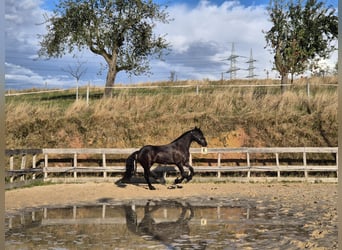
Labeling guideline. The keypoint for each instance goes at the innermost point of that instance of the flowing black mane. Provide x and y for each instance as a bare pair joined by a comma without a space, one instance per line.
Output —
181,136
186,133
177,152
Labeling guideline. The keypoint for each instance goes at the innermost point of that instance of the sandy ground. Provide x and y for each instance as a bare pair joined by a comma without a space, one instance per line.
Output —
316,204
61,194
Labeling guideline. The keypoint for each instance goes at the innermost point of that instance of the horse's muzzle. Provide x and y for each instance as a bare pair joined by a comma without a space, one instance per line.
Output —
204,143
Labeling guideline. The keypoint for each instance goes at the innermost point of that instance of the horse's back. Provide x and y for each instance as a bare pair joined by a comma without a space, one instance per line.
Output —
147,152
166,154
148,149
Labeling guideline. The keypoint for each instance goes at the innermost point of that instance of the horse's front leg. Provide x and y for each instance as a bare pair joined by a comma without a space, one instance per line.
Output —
147,174
192,172
183,175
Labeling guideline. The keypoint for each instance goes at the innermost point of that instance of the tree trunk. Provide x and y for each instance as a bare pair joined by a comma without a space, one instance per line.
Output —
111,75
283,83
292,76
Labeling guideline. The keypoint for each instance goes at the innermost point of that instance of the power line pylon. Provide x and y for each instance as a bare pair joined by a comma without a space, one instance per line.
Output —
251,66
233,59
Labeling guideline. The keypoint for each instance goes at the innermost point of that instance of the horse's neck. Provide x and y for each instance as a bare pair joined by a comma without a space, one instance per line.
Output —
184,140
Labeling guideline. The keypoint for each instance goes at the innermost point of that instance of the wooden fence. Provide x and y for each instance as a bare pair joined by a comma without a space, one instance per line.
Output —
239,164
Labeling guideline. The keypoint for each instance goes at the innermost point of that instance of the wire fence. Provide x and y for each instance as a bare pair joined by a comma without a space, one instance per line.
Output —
89,90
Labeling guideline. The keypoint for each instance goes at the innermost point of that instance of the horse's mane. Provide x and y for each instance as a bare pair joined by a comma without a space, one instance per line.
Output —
185,133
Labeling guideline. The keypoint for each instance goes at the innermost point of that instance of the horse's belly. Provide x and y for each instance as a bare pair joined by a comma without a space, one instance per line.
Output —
167,158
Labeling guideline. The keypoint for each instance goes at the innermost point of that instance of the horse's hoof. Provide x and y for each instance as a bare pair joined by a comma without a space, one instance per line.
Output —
152,188
175,186
177,181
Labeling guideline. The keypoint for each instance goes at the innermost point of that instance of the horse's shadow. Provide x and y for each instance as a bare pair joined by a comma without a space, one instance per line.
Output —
165,232
156,178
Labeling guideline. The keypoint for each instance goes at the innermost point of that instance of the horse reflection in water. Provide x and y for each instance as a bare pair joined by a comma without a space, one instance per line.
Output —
169,233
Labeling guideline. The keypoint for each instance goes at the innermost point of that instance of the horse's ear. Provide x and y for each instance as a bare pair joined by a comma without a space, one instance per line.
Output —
197,129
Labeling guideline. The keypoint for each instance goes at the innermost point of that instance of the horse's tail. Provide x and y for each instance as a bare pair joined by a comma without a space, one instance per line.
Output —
130,166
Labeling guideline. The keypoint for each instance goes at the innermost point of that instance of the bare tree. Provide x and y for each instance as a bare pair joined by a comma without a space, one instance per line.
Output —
76,72
173,76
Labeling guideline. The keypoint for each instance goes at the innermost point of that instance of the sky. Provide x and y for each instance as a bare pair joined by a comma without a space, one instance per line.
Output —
202,35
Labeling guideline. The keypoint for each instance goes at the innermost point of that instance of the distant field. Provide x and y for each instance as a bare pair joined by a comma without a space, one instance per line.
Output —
229,115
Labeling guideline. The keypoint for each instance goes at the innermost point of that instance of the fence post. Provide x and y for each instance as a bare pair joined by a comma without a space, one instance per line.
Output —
336,163
76,89
11,167
33,216
249,166
219,165
218,212
75,165
308,89
88,94
23,164
305,165
277,162
74,212
45,213
45,166
104,165
34,165
103,211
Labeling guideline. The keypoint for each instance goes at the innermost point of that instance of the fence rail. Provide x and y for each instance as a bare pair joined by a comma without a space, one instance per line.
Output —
196,88
77,164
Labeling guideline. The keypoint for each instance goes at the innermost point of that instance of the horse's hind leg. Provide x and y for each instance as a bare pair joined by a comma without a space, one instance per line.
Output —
147,174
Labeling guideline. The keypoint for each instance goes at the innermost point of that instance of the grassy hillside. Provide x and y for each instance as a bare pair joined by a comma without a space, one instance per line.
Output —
228,116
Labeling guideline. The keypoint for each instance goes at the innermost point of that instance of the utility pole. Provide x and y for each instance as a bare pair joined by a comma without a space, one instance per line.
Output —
251,65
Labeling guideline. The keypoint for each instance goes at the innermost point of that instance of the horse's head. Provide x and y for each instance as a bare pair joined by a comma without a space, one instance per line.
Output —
198,136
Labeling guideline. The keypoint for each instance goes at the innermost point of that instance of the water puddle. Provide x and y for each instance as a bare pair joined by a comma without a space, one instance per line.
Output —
169,224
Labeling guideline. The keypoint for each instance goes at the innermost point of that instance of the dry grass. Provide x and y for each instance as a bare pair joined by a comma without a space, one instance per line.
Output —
250,116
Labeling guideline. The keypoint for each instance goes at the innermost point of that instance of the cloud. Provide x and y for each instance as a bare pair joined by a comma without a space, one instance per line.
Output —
21,28
25,78
23,69
22,19
201,37
228,22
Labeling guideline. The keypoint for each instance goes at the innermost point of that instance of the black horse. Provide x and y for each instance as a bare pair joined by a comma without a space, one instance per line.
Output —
177,152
